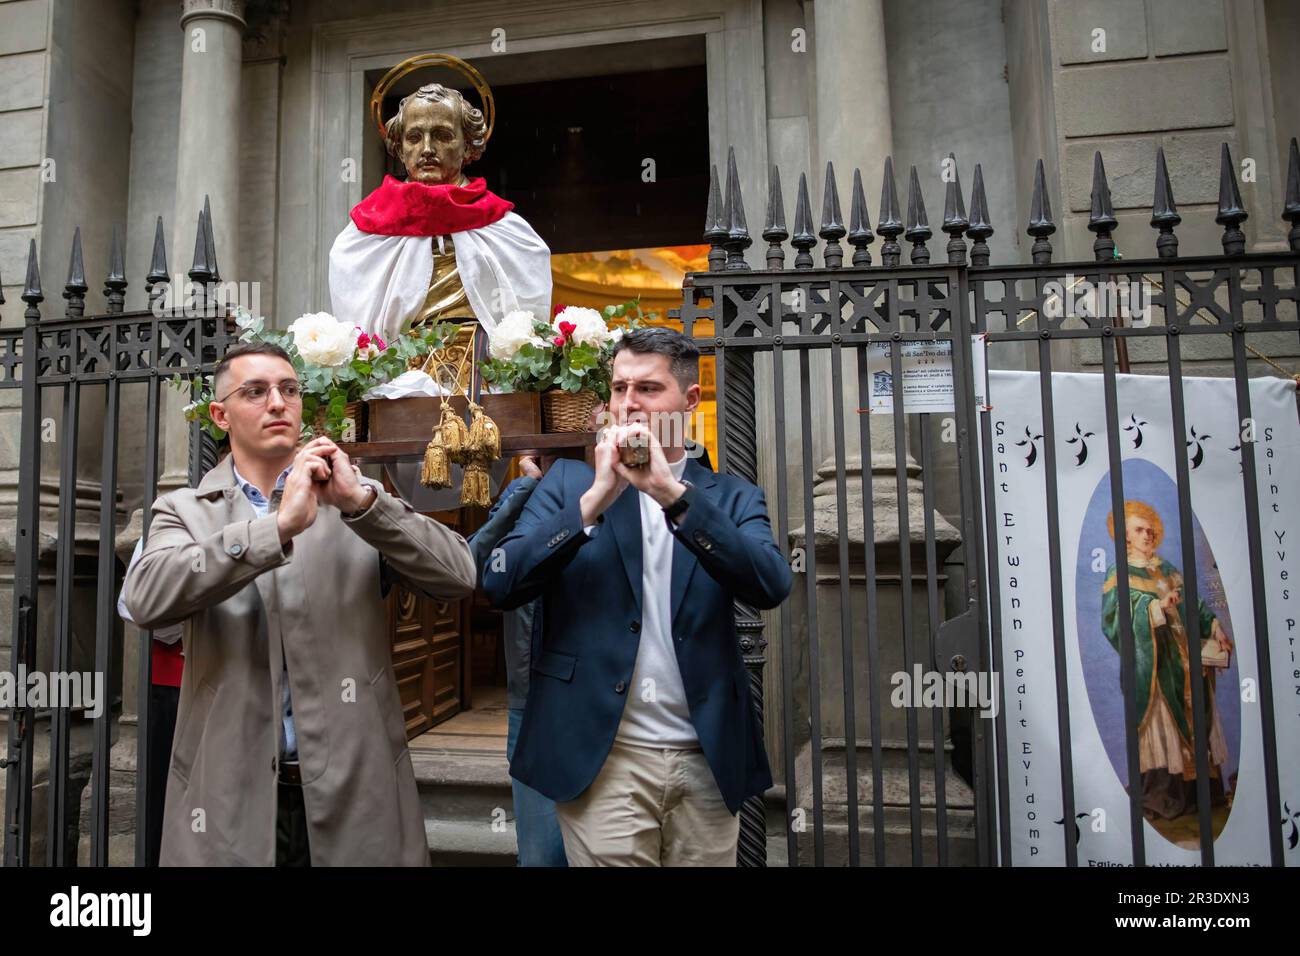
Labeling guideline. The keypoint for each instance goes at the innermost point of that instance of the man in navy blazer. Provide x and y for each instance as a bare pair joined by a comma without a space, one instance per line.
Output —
638,721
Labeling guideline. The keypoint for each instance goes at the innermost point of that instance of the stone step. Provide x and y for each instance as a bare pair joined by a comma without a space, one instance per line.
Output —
896,802
468,809
457,843
960,842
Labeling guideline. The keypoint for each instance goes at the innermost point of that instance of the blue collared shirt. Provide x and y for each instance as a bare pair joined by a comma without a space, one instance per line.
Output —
262,506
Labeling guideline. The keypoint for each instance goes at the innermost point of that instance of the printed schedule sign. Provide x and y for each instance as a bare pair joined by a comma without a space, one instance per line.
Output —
927,377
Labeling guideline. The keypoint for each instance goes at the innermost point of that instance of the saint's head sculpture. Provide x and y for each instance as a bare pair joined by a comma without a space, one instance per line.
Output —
436,132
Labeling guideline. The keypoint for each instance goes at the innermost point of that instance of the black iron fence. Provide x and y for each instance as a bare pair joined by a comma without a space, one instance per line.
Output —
886,517
117,355
892,575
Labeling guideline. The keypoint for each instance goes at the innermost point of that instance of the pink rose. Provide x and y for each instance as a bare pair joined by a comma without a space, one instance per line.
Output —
369,346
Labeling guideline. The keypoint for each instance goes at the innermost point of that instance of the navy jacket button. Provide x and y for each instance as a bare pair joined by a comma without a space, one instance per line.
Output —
620,687
635,627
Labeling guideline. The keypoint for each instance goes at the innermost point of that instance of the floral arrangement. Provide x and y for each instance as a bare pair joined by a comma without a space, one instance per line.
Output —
572,352
336,364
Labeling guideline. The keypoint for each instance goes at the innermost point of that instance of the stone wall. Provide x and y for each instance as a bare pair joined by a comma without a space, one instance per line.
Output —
65,123
24,40
1132,75
1128,76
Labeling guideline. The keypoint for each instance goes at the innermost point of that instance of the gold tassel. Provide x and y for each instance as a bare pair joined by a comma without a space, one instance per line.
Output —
475,486
436,472
455,436
484,436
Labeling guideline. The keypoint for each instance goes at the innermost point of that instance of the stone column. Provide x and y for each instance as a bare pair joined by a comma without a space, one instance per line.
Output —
207,160
207,166
853,114
853,130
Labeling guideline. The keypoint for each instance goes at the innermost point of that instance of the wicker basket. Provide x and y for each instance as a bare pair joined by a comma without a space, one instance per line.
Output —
353,410
568,411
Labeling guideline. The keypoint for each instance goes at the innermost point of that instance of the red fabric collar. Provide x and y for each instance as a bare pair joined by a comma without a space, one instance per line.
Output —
416,209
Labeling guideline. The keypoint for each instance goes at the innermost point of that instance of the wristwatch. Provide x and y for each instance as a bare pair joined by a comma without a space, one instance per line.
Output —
674,510
373,494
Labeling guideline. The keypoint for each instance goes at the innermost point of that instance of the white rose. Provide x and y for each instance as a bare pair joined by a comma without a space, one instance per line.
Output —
590,327
511,333
323,340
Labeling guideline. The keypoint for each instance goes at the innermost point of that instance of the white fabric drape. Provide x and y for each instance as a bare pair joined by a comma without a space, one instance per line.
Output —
379,283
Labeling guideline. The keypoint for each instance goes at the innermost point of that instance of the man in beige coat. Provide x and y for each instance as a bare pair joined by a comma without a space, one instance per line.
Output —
290,743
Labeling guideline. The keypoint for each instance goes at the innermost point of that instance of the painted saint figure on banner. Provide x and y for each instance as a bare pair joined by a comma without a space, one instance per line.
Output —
1163,678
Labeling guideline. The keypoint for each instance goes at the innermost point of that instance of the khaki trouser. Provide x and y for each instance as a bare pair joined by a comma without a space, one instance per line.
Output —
650,807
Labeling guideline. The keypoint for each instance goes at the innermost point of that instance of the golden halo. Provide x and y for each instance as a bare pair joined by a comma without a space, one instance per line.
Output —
413,63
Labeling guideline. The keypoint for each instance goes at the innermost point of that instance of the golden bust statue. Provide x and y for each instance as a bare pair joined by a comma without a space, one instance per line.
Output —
437,245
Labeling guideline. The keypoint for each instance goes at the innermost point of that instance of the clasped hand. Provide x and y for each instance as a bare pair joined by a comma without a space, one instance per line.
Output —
654,478
322,473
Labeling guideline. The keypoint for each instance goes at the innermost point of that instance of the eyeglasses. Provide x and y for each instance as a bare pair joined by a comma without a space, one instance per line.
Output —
256,393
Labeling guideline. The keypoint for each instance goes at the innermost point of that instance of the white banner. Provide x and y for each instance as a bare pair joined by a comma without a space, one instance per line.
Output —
1225,622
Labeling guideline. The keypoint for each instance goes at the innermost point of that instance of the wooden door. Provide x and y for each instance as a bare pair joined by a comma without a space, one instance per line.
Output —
429,639
427,649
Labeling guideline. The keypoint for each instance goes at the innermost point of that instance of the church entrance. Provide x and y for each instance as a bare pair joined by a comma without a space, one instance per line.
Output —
606,156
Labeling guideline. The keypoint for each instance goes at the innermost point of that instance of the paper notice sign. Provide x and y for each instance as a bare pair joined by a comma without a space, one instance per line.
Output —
927,379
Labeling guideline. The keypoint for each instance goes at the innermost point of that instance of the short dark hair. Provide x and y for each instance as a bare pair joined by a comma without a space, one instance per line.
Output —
682,352
245,348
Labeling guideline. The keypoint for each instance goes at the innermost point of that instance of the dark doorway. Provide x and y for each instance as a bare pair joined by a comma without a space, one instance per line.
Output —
574,154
